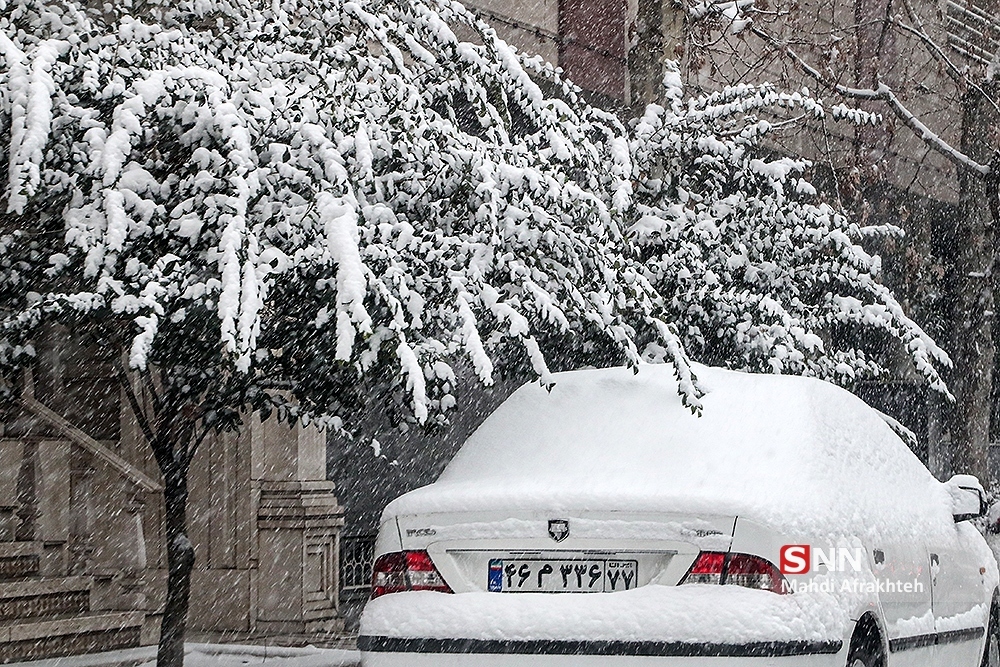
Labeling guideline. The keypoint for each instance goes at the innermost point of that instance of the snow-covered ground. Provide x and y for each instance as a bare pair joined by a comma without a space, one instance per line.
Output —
211,655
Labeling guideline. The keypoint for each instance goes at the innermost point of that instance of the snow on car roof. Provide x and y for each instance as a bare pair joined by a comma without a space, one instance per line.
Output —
786,450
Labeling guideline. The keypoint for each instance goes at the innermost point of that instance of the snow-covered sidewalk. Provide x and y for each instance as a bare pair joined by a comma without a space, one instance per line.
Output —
211,655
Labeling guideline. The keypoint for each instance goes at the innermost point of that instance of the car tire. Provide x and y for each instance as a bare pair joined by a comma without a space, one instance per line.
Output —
991,652
866,648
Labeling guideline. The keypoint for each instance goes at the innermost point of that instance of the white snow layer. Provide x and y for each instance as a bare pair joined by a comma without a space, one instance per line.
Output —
210,655
272,656
340,218
697,613
796,453
31,116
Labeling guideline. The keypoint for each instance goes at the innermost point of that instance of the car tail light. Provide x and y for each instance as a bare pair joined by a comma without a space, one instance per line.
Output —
406,571
716,567
753,572
708,568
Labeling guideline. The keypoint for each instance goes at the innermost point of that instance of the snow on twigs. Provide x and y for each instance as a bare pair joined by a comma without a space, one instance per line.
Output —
341,223
30,90
352,196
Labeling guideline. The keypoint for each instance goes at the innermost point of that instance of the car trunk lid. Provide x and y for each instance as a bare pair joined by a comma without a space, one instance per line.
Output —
568,551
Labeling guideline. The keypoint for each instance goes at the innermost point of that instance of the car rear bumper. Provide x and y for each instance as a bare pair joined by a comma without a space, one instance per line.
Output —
673,623
381,651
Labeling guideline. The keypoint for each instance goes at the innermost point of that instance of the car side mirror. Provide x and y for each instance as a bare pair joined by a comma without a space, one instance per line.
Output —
968,500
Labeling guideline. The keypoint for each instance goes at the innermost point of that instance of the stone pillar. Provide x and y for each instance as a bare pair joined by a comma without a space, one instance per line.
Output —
26,514
53,505
81,512
298,530
118,560
10,456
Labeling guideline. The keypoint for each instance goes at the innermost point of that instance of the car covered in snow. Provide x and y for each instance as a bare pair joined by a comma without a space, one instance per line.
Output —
600,521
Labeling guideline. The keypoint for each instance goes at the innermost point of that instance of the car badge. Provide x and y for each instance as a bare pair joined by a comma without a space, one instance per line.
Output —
558,529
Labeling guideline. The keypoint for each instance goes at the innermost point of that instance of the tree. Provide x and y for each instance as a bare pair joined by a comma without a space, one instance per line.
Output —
757,274
935,82
283,207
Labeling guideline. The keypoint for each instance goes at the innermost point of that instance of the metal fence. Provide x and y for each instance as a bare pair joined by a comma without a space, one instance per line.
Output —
357,555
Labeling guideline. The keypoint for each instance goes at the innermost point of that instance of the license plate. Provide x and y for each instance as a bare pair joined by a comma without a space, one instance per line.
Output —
521,575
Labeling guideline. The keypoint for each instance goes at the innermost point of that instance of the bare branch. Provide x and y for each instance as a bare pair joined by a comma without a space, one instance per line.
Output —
957,75
921,33
133,401
884,33
925,134
919,166
189,455
884,94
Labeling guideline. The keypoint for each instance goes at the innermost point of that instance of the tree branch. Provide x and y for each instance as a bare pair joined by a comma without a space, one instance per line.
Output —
932,46
884,94
147,378
924,133
884,33
189,456
133,402
957,75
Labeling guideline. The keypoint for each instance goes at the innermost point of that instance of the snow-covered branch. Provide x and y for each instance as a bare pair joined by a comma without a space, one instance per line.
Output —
882,93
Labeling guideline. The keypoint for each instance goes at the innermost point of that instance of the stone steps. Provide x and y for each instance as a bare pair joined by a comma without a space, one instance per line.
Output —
48,617
40,598
69,635
18,560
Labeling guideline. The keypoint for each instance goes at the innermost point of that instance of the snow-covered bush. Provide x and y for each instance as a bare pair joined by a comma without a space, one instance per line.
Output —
290,196
340,187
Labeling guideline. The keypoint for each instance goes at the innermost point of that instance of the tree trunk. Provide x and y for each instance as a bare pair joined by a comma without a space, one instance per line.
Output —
645,57
872,142
180,561
972,346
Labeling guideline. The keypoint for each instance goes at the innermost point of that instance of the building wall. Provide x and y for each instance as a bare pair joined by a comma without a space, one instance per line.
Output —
264,520
586,38
592,45
530,25
265,523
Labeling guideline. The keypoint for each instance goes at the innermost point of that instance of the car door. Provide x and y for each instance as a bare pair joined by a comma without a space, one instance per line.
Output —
958,596
903,582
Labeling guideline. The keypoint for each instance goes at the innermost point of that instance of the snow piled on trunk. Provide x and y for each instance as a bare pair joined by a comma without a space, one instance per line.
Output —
796,453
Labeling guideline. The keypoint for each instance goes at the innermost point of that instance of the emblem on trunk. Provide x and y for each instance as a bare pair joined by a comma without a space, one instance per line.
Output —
558,529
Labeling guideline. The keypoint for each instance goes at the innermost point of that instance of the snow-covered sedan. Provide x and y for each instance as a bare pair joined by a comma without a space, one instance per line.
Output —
602,523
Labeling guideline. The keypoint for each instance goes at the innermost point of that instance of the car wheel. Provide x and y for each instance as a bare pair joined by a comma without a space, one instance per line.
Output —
866,645
991,654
